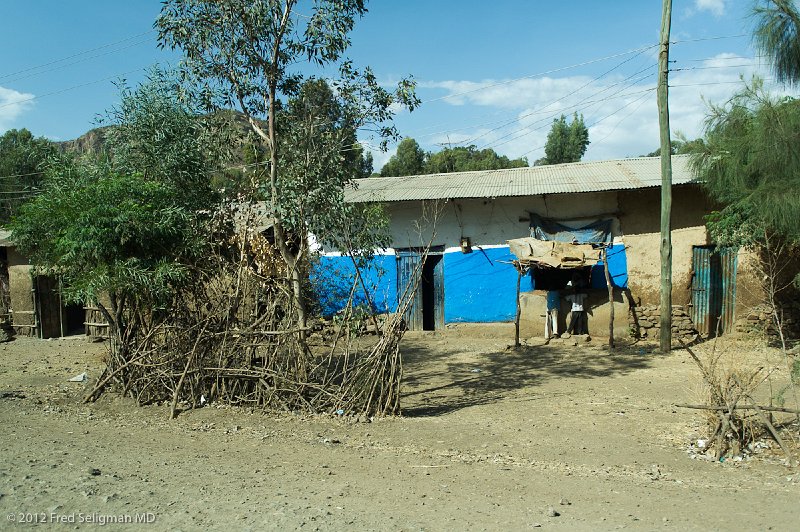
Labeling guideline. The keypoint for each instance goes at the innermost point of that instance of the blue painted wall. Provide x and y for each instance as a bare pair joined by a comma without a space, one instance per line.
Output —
617,269
477,288
332,278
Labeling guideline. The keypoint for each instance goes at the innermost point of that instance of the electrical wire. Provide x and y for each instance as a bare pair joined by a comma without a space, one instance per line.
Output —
40,96
552,71
39,73
564,97
4,76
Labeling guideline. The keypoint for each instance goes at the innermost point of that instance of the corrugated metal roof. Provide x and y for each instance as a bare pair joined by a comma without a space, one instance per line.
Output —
594,176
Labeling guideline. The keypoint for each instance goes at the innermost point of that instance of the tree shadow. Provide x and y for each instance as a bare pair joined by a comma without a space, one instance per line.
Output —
440,380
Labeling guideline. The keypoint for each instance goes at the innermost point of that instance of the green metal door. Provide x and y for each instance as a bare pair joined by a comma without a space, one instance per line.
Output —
713,289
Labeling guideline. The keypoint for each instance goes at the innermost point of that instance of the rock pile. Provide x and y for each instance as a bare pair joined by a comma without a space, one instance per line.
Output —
648,318
6,330
759,320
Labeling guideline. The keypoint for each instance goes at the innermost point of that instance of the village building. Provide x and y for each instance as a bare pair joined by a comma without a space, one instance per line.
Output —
32,304
468,218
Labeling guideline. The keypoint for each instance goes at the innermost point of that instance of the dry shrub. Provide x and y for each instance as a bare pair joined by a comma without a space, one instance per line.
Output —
232,337
727,383
737,393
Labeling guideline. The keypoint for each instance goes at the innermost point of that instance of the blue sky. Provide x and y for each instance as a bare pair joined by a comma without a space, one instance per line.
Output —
492,74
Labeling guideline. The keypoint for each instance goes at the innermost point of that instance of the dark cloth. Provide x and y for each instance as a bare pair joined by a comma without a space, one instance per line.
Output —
547,229
577,324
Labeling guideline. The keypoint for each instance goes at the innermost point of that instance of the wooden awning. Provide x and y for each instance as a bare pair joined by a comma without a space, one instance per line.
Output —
531,251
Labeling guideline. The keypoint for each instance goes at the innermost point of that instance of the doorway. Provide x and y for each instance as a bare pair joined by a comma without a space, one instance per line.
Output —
426,278
713,289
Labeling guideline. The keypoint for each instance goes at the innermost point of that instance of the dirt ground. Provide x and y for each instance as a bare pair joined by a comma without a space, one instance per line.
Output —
557,437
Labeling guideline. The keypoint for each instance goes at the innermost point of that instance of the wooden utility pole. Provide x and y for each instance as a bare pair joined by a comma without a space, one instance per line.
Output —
666,180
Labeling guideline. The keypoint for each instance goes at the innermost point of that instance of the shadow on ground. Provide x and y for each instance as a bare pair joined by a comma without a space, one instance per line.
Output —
442,378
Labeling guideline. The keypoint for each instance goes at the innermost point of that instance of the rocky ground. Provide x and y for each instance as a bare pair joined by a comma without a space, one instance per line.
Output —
555,437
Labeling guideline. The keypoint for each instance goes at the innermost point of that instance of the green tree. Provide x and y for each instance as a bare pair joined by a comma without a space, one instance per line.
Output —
409,160
128,227
249,54
159,133
751,165
469,158
23,160
751,160
566,143
777,36
680,145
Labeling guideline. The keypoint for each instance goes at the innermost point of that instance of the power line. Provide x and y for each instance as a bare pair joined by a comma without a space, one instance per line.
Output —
17,102
59,67
505,121
716,38
506,82
717,58
713,83
545,121
575,91
683,69
3,76
641,98
582,104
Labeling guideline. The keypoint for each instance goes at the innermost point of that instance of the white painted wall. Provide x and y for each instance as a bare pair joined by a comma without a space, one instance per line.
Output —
490,221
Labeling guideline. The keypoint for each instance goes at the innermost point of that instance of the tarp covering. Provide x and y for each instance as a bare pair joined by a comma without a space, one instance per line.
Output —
553,253
598,232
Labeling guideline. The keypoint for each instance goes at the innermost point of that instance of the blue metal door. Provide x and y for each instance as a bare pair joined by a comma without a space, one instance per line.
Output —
421,281
713,289
409,270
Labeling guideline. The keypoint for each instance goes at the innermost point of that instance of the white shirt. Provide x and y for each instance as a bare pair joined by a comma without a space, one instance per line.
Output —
577,301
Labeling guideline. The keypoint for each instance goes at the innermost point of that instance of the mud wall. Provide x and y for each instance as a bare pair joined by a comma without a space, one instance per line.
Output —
597,307
641,225
21,294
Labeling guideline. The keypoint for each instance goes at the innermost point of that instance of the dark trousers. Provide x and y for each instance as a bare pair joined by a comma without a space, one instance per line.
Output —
576,323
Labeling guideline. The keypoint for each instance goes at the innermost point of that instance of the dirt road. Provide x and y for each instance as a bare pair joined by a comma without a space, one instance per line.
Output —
555,437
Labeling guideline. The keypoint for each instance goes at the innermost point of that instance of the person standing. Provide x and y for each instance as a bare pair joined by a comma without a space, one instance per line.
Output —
551,317
576,322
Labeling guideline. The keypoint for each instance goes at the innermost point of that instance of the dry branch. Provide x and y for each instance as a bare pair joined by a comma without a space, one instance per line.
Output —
232,336
740,407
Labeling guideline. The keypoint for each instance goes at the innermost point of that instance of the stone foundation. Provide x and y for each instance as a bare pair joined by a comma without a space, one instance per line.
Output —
759,320
645,322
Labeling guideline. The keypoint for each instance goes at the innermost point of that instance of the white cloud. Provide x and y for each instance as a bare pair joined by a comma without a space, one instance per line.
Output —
12,104
513,117
379,158
716,7
621,113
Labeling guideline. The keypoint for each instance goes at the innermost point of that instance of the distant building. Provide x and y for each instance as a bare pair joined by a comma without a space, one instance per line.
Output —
32,303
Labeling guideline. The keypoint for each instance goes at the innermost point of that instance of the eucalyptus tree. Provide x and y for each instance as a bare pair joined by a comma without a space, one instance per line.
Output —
251,55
